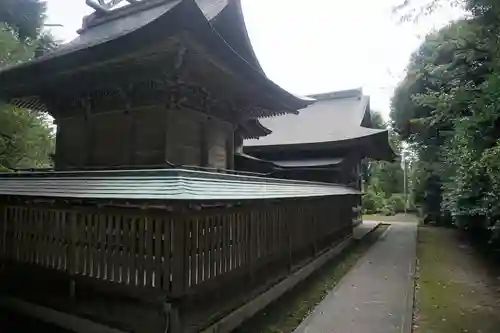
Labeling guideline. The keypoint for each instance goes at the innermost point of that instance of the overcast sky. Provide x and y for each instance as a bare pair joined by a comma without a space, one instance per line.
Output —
316,46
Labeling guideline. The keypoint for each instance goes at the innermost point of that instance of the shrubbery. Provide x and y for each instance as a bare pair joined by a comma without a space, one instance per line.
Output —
378,203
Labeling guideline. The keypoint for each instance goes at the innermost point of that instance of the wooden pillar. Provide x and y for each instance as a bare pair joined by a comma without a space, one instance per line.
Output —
230,149
204,143
167,144
88,134
129,146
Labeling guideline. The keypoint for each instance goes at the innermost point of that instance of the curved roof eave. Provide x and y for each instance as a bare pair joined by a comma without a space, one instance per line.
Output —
141,31
96,45
366,139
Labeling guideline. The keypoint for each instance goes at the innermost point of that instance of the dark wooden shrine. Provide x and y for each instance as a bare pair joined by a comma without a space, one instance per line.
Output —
327,141
124,232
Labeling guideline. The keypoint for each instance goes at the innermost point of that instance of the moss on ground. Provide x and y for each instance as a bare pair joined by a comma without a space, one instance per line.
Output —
454,292
284,315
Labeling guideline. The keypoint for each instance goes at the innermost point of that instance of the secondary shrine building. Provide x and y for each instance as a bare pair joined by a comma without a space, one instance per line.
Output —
326,141
144,224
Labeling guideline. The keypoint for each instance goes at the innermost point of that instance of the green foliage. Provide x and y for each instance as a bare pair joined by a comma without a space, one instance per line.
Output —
448,109
397,202
372,202
26,137
383,180
26,16
12,51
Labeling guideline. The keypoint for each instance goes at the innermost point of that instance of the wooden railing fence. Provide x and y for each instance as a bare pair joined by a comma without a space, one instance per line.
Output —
175,253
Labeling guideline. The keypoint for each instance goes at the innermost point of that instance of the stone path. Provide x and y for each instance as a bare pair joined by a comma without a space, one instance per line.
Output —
376,296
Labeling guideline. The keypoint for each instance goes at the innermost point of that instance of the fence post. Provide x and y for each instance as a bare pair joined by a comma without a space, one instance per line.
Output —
289,230
3,235
72,263
7,235
179,263
252,245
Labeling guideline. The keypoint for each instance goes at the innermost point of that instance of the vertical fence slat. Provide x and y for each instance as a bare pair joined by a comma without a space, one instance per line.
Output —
234,243
95,242
179,257
141,226
166,267
88,246
3,233
148,240
158,231
125,255
110,246
206,249
201,249
225,243
101,219
121,258
217,246
133,251
119,246
194,247
188,224
210,241
220,239
58,239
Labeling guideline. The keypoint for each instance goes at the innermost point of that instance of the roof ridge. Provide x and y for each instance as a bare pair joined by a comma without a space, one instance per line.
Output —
348,93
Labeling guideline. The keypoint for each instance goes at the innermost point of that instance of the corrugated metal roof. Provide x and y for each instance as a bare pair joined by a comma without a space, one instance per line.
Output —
171,184
333,117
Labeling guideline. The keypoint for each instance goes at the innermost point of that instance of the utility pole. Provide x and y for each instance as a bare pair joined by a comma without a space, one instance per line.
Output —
405,182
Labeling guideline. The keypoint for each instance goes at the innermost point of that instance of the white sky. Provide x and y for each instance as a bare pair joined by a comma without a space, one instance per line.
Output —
315,46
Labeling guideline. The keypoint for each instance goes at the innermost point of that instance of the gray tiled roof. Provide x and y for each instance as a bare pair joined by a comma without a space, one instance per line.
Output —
333,117
169,184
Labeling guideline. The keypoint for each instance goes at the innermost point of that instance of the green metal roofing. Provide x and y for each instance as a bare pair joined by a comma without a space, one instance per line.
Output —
169,184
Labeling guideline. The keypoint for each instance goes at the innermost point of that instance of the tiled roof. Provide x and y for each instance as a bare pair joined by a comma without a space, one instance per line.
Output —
333,117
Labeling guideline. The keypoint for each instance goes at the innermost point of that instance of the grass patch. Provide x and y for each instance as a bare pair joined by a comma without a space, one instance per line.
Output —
395,218
284,315
454,293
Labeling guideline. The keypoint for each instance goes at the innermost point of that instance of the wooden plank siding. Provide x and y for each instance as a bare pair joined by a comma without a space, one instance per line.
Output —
176,253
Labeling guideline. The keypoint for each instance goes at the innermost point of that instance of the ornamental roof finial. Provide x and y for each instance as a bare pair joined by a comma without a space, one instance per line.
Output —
104,6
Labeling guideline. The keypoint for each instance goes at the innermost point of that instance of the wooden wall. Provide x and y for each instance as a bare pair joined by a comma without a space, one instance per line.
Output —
145,137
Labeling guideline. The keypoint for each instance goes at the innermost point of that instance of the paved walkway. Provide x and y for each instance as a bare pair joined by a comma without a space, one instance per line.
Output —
375,296
361,230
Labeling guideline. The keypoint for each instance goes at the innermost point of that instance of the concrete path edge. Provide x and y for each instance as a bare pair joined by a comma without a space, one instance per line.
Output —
407,326
238,316
340,281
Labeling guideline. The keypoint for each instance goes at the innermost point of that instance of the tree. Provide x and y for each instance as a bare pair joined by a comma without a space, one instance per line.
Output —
384,180
26,137
448,108
25,16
